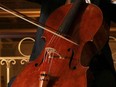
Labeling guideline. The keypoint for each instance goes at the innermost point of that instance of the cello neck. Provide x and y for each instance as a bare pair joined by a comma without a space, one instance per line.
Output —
70,16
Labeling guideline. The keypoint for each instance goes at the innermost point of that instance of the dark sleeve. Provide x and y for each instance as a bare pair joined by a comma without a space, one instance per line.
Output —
11,81
113,12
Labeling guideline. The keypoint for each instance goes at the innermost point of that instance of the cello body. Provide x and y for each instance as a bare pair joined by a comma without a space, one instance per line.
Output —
60,63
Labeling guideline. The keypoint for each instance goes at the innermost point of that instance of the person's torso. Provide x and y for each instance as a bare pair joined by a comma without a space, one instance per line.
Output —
48,6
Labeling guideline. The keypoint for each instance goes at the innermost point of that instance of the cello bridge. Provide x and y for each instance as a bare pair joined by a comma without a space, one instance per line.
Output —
52,53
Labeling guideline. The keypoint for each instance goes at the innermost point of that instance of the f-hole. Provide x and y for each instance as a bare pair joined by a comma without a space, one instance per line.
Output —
71,66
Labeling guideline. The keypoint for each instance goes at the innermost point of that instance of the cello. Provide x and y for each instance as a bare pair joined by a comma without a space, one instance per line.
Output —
61,62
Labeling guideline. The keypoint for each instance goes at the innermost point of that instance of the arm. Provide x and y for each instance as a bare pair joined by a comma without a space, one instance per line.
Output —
107,8
113,12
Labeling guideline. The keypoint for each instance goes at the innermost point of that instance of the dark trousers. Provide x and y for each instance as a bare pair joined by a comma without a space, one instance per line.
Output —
101,72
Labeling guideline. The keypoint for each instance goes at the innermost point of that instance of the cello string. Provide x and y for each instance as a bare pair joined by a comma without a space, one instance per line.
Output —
88,1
